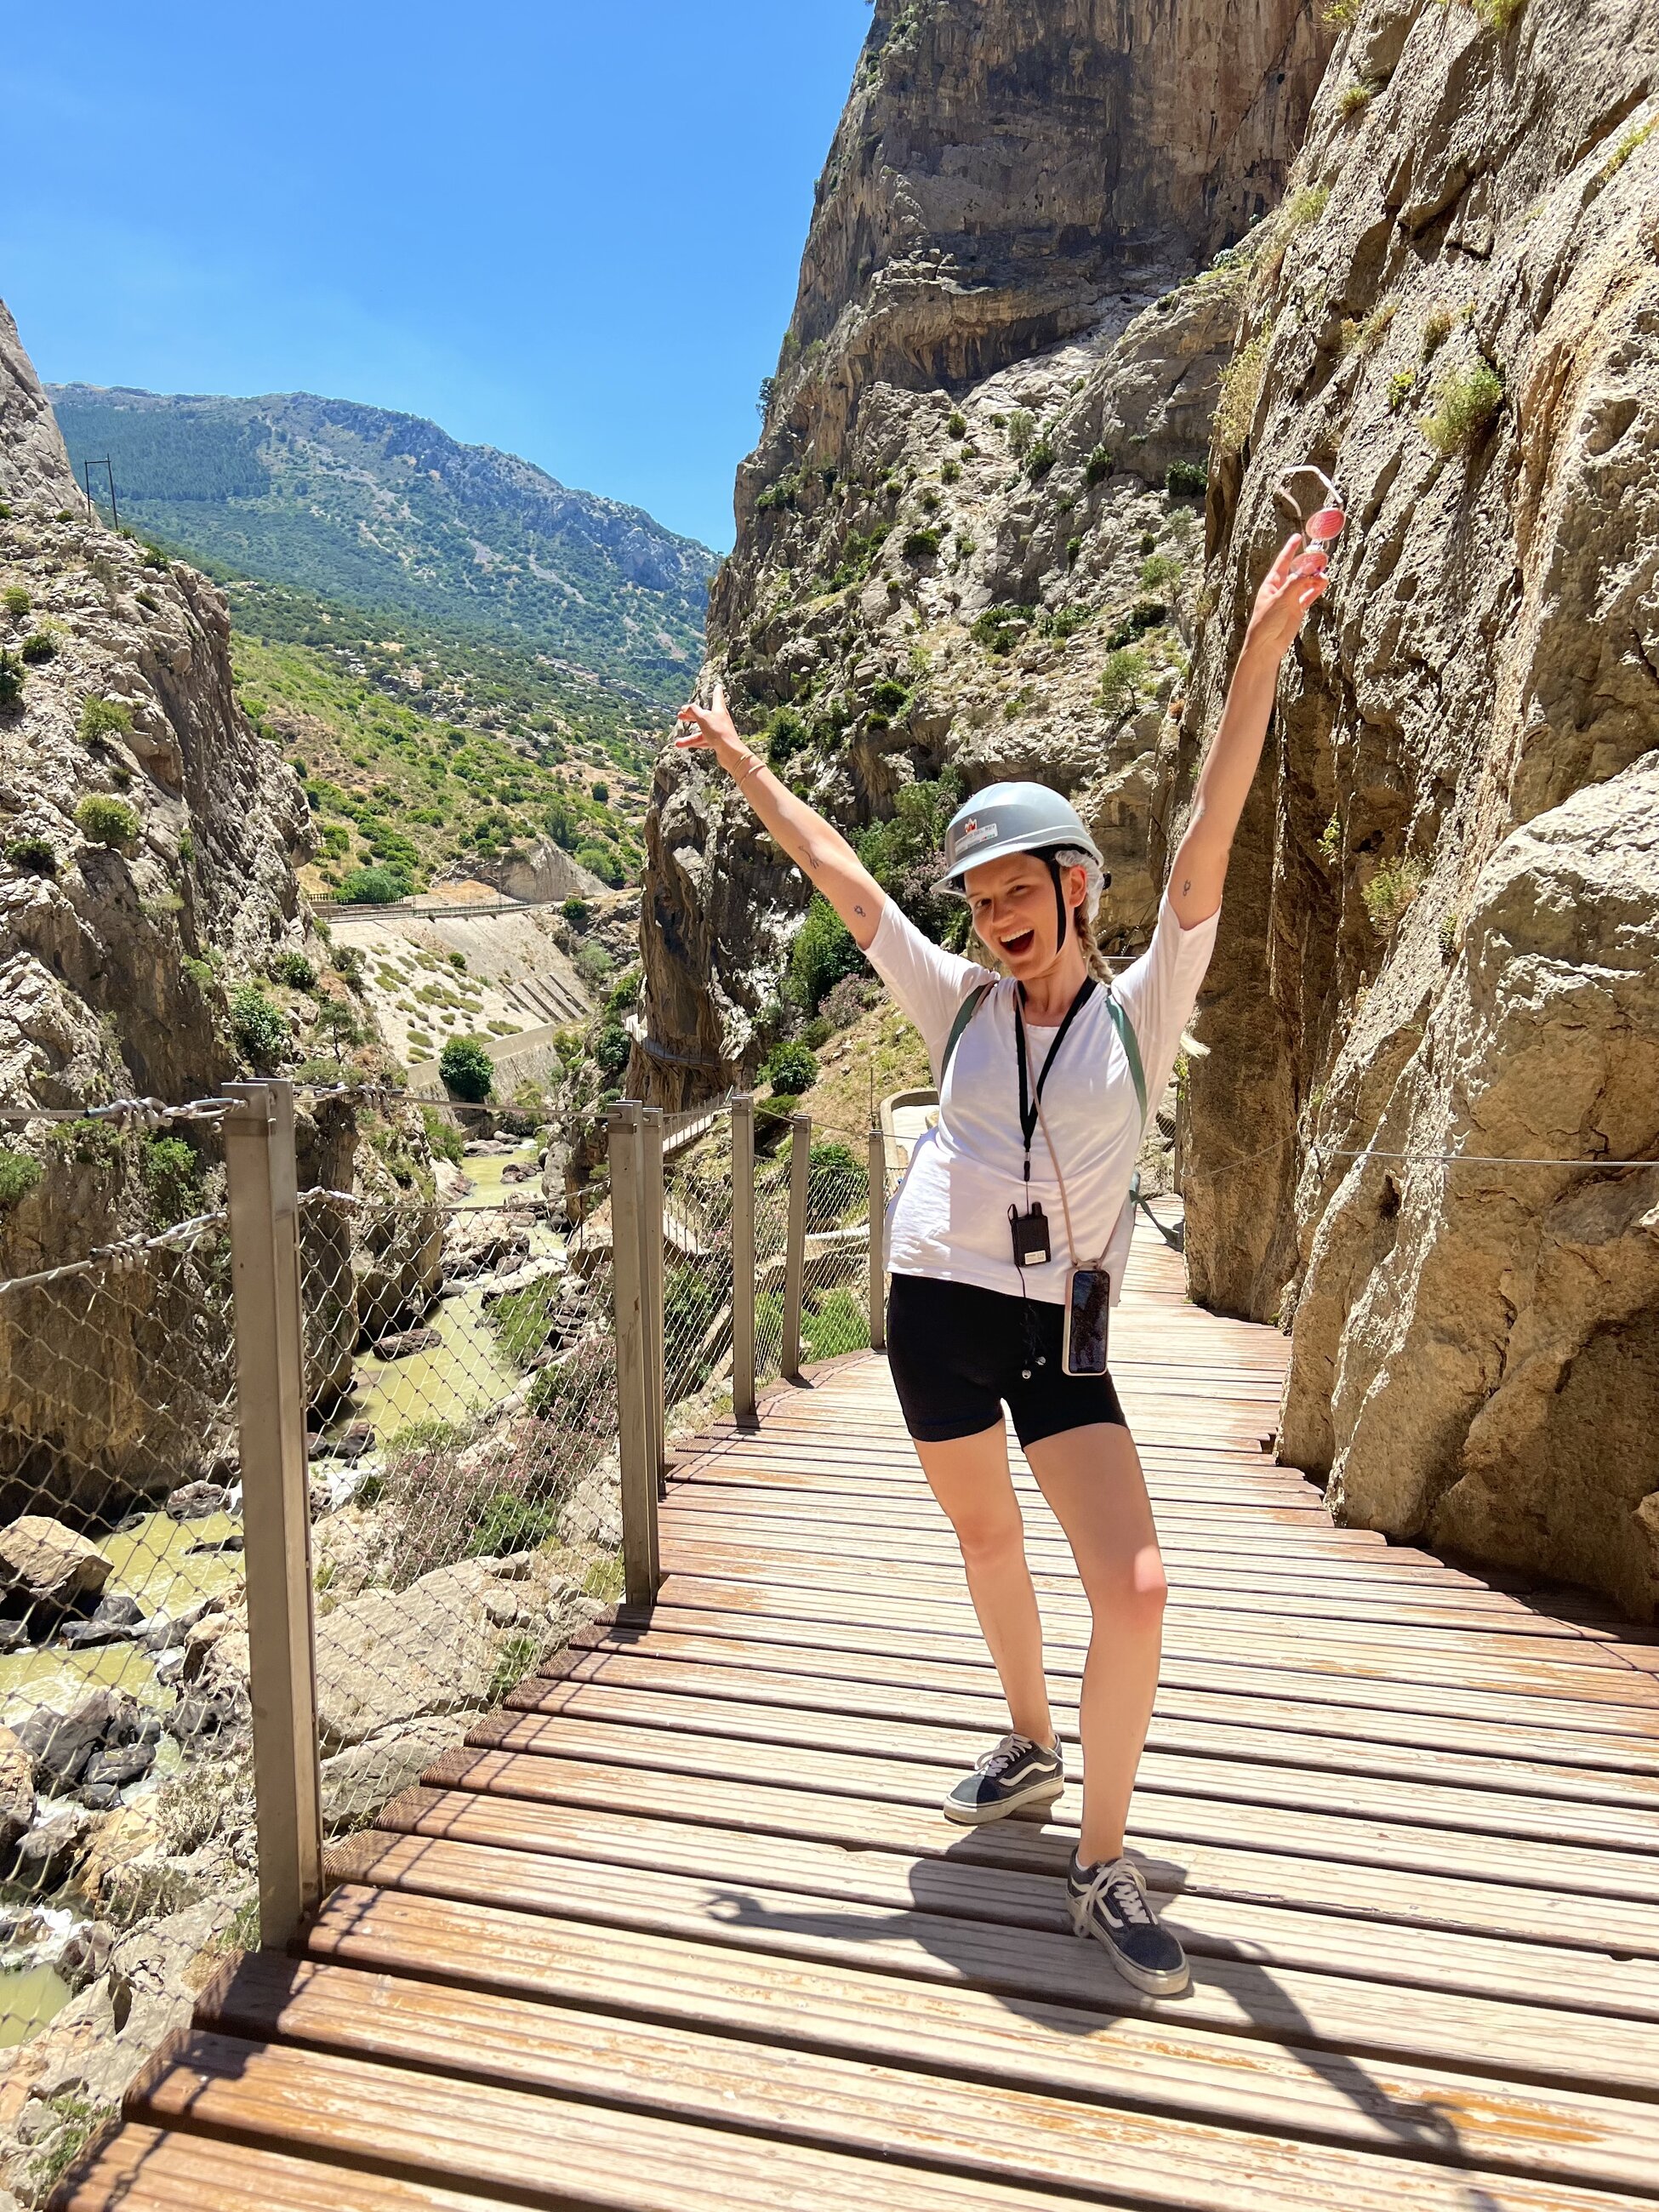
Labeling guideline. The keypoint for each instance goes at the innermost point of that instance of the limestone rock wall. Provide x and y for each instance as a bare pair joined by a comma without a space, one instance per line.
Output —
1006,334
1439,933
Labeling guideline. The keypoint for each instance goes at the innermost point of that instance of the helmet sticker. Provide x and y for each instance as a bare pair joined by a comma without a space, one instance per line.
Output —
974,832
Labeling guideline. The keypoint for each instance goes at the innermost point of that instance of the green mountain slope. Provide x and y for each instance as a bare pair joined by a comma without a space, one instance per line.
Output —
388,515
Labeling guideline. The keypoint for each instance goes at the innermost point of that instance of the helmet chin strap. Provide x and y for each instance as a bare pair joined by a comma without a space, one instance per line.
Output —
1060,905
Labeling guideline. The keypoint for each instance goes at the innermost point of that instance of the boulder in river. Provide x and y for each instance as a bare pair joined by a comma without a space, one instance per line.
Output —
16,1789
194,1501
49,1853
117,1618
48,1564
63,1744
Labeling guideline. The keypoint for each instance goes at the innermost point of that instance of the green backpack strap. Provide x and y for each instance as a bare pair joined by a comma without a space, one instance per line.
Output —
1127,1038
966,1013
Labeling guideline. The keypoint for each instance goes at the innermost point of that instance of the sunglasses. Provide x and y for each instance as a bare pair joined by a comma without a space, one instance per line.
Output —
1320,524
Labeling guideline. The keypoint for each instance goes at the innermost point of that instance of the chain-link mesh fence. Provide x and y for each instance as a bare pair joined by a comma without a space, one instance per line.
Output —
771,1247
696,1237
124,1750
835,1277
462,1382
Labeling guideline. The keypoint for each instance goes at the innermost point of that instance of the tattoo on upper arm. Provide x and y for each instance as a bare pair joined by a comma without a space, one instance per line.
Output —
1186,887
857,910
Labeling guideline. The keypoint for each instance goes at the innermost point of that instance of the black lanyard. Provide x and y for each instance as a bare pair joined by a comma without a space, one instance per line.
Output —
1028,1105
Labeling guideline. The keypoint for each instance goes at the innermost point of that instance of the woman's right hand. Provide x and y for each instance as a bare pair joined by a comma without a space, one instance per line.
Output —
713,729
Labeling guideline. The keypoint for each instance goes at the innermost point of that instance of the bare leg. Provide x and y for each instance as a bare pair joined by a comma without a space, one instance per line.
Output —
1091,1477
970,1477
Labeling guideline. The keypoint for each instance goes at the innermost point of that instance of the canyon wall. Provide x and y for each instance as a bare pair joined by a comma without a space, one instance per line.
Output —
1442,933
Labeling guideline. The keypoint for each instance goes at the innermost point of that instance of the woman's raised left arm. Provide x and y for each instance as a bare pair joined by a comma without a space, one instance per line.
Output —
1199,871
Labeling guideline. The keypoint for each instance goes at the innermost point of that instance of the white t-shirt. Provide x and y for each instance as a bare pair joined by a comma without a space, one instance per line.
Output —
950,1219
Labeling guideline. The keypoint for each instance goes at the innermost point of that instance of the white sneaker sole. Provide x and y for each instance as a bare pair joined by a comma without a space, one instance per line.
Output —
1147,1980
1046,1792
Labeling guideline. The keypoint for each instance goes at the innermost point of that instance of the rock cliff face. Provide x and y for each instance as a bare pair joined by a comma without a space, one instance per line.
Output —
964,551
960,510
1441,934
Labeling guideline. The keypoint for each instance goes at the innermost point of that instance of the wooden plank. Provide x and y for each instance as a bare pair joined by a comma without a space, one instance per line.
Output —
866,2106
1580,1672
1224,1865
595,1712
542,2150
890,1638
1602,1761
1345,1833
1163,2064
1300,1742
150,2169
1290,2006
942,1881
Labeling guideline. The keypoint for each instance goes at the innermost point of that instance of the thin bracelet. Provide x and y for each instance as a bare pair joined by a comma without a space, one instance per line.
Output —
755,764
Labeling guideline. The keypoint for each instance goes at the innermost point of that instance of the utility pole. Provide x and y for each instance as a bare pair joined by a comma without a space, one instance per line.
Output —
87,467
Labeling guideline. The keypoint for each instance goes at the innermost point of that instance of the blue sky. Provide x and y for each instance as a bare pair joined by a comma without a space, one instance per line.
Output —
571,231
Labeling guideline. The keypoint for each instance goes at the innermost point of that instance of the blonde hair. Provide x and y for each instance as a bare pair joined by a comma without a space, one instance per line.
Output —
1084,922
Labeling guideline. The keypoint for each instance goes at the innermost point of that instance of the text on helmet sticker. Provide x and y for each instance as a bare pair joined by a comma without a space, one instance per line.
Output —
974,832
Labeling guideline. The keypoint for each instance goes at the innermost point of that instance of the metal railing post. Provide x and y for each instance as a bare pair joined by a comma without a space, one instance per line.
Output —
743,1256
794,1252
639,1481
651,1262
262,1200
877,1238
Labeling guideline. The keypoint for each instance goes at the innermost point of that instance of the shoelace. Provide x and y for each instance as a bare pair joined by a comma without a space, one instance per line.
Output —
997,1762
1120,1890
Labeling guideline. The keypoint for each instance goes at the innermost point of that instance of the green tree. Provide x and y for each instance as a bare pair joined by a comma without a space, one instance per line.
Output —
822,953
259,1029
467,1069
790,1068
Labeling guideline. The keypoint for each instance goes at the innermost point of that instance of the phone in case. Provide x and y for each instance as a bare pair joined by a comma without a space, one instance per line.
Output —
1088,1305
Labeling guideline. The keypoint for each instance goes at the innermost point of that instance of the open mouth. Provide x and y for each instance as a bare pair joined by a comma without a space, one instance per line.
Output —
1020,942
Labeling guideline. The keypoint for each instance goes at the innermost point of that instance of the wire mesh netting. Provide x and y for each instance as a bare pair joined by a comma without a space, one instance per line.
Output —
835,1278
125,1747
696,1237
461,1372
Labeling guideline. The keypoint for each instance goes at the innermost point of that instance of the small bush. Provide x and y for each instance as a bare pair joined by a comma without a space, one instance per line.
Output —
957,423
39,645
505,1523
105,717
1354,99
259,1029
11,682
1145,615
1341,15
823,953
790,1068
1632,140
35,854
1022,432
443,1139
373,887
818,1031
1000,630
19,1174
601,792
1438,329
1391,890
626,993
154,557
1465,399
832,1323
593,962
1241,388
347,961
577,912
16,601
1401,385
920,546
1497,14
836,1180
292,968
786,735
1040,459
467,1069
1098,466
610,1050
1187,479
1157,570
1447,934
1121,678
173,1179
1330,841
950,472
1074,551
890,697
600,860
103,820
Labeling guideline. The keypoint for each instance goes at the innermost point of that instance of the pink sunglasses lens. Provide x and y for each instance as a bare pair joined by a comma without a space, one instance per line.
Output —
1326,524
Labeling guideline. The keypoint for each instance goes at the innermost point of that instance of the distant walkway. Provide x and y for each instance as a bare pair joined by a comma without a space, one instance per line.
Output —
682,1930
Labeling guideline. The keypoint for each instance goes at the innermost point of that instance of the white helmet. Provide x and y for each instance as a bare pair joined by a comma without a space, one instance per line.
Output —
1021,818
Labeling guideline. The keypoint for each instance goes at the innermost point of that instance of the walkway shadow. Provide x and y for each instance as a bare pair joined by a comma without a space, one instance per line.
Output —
1050,1978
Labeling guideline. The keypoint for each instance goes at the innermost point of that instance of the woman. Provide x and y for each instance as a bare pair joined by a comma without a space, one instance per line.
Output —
1028,1176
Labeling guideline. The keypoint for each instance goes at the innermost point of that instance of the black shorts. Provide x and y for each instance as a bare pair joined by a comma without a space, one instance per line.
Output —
956,1353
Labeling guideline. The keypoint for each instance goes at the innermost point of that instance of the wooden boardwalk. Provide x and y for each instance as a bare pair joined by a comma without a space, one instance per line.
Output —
681,1930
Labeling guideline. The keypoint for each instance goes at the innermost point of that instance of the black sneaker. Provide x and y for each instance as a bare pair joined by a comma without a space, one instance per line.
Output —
1108,1900
1018,1773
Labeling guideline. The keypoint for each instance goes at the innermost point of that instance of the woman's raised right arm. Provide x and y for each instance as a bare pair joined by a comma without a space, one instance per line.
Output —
822,852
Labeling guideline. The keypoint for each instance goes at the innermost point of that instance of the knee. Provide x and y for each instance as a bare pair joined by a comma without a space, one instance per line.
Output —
1132,1591
988,1539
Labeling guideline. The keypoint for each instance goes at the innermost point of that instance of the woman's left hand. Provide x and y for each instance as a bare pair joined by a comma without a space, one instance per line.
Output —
1297,579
